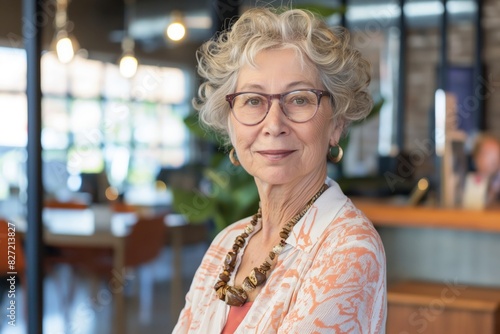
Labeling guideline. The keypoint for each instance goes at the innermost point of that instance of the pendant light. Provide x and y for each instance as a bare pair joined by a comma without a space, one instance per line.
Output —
176,29
128,61
64,43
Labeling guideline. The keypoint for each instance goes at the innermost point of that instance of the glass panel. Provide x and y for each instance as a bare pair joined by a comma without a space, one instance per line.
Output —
13,69
144,167
13,182
55,123
146,126
14,120
55,172
86,78
85,159
173,130
173,86
85,121
159,84
115,85
54,75
117,165
117,127
146,84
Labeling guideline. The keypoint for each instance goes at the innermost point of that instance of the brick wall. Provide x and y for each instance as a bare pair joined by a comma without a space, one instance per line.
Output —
491,25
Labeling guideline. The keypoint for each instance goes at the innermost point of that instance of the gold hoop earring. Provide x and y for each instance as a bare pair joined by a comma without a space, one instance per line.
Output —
335,158
233,158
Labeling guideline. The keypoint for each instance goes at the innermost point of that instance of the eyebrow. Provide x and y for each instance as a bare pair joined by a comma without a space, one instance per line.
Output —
290,86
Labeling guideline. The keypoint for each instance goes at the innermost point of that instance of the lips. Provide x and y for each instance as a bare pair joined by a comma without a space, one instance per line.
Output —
275,155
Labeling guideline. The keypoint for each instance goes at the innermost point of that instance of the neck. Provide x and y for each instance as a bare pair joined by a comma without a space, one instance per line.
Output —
279,203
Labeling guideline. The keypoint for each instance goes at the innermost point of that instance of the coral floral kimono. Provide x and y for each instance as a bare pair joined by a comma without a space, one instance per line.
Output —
330,277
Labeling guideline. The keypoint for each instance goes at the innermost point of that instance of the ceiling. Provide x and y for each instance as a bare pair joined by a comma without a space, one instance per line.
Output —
99,25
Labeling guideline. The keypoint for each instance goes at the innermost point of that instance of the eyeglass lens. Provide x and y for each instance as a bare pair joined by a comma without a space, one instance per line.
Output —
299,106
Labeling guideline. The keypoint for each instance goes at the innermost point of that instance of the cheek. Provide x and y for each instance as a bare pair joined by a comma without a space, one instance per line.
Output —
324,130
239,135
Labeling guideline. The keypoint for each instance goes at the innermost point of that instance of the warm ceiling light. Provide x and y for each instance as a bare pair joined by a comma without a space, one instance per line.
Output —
128,61
64,44
176,31
128,65
64,48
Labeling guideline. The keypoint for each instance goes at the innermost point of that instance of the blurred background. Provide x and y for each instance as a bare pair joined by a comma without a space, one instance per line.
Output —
120,147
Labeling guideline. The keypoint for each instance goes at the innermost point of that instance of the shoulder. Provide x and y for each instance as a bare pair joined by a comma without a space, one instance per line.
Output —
229,233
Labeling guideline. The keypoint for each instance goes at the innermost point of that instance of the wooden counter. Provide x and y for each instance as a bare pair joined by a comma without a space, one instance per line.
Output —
436,308
391,215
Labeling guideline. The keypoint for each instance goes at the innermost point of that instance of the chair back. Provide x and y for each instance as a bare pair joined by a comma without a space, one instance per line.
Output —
146,239
11,249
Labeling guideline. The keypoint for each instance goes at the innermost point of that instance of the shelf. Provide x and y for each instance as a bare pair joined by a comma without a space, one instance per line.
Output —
391,215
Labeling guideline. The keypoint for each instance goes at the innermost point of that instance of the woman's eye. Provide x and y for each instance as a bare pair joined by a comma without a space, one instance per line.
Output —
299,100
254,102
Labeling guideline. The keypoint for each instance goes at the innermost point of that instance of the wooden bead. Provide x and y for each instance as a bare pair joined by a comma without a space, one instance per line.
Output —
277,249
219,285
257,277
272,255
230,259
240,242
249,228
235,296
221,292
284,235
247,285
265,266
224,277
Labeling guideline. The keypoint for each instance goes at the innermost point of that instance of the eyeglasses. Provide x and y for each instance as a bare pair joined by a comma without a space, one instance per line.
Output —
299,106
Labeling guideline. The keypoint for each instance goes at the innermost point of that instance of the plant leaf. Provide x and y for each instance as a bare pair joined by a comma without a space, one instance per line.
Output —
194,205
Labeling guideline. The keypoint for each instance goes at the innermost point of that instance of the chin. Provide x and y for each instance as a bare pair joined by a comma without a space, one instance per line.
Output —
277,177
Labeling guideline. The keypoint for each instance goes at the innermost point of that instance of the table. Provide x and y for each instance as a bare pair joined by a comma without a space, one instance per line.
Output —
103,236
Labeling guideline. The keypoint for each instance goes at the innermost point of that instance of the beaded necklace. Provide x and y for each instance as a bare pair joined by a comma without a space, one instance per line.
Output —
235,295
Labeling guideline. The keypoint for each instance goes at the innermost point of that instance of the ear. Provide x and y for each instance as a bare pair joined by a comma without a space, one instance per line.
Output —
336,132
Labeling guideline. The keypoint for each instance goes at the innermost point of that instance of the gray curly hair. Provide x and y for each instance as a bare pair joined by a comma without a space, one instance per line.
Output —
342,69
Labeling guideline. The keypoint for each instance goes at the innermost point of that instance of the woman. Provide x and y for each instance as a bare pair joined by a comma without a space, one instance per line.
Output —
282,88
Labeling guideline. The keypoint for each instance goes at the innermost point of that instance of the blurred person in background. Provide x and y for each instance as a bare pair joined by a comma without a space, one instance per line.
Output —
486,158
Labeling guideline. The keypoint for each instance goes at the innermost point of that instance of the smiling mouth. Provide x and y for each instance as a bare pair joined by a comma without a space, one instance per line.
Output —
275,154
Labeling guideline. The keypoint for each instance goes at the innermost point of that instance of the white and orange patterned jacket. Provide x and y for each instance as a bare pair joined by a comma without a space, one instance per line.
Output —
330,278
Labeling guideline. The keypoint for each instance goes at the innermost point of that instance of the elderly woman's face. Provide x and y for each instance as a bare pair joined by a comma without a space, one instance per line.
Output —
277,150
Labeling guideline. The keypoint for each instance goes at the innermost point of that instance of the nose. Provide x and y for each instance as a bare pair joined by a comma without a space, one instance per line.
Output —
276,122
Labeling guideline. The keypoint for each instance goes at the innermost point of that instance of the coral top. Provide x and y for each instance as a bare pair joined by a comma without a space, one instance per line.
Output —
235,317
329,278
